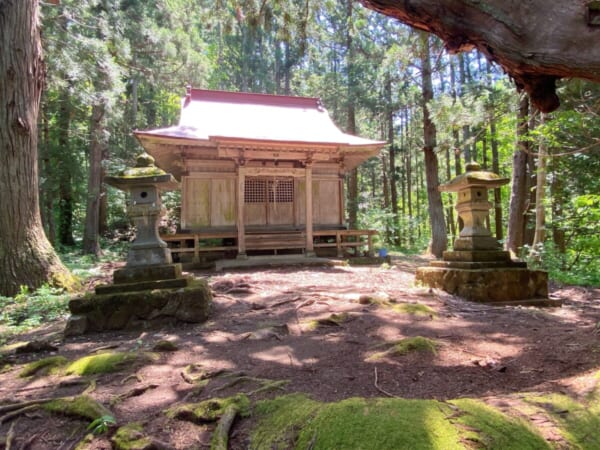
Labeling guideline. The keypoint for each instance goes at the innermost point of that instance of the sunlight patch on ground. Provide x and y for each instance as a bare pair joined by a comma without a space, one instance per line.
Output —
282,354
219,337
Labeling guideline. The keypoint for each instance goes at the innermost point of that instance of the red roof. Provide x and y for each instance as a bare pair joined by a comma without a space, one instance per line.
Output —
224,116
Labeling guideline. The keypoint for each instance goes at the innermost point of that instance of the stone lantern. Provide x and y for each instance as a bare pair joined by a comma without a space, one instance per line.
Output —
149,257
477,268
150,290
473,208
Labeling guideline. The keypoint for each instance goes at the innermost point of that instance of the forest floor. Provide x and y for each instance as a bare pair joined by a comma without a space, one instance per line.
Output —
319,331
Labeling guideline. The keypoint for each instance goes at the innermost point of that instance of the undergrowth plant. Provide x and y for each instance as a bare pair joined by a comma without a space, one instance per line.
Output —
31,309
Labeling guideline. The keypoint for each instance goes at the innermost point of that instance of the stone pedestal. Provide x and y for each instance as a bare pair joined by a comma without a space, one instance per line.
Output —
477,268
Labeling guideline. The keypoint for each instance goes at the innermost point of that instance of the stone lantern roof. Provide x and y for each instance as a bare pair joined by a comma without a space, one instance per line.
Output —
144,172
474,177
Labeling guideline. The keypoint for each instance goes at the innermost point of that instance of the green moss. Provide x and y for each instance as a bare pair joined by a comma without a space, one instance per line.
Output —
416,309
101,363
131,437
407,345
491,429
298,422
66,280
85,443
331,320
209,410
281,419
43,366
80,406
579,422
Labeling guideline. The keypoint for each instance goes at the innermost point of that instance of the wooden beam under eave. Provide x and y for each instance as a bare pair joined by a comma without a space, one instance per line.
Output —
274,172
273,154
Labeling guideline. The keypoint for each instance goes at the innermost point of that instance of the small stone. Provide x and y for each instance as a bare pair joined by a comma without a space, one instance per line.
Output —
365,300
165,346
76,325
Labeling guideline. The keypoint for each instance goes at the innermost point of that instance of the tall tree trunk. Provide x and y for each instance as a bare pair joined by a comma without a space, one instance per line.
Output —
26,256
103,212
495,162
65,189
540,209
91,238
409,178
351,116
46,194
518,194
531,180
464,79
497,191
558,199
439,238
392,169
450,208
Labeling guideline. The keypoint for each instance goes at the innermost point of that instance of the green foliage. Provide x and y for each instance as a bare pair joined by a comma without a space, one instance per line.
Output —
579,262
30,309
102,424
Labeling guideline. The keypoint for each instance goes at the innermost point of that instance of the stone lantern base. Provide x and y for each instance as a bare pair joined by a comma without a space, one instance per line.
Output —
499,282
113,307
141,297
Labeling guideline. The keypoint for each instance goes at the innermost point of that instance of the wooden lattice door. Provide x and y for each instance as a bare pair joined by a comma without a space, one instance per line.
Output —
269,201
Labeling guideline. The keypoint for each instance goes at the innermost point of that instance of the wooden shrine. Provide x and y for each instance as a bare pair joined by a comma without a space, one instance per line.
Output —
259,173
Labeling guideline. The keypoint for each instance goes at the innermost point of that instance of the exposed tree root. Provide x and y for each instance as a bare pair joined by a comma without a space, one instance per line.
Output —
135,392
10,436
8,416
19,405
376,384
194,373
220,436
265,384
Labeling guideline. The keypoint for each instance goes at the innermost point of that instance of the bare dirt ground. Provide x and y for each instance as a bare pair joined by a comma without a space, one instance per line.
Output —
276,324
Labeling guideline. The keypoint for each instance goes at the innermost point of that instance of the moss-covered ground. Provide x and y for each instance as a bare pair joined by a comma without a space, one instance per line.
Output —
102,363
299,422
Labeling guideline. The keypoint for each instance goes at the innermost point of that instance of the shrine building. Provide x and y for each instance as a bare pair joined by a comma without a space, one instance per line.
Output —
259,173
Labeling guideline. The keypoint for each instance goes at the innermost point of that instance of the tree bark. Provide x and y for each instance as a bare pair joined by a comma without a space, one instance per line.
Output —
439,238
91,234
26,256
351,117
518,194
392,156
536,42
65,190
557,193
540,190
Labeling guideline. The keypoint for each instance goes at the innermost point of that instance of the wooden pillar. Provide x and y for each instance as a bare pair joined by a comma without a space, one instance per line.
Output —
241,230
310,251
196,249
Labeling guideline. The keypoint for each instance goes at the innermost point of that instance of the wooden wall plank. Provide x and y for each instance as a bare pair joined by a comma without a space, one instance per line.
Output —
222,202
